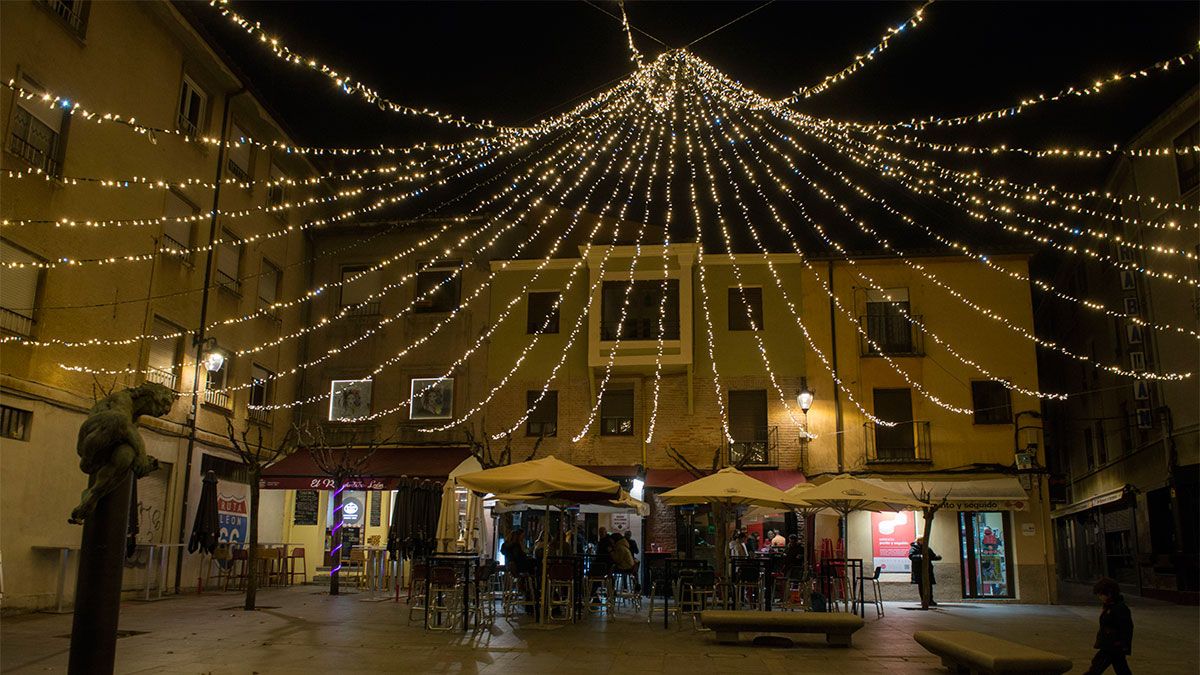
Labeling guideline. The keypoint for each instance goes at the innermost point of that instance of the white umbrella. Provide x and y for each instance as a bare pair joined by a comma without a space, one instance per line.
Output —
447,527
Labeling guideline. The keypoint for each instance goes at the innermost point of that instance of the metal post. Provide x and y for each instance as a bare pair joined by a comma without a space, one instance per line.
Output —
198,339
837,399
98,583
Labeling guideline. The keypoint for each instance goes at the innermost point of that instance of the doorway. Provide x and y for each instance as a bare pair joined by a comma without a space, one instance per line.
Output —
987,570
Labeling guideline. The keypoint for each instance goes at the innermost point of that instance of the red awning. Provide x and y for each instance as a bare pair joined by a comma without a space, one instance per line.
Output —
672,478
382,471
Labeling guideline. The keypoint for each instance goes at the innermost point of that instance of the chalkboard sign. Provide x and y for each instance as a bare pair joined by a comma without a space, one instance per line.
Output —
307,503
376,507
351,538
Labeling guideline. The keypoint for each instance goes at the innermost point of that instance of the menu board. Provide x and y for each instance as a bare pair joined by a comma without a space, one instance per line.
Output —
376,507
307,504
351,538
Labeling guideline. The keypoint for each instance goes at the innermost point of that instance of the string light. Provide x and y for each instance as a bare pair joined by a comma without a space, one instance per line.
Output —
634,54
860,60
1036,153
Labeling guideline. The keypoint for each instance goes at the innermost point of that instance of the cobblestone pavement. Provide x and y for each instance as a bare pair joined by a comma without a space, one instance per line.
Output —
302,629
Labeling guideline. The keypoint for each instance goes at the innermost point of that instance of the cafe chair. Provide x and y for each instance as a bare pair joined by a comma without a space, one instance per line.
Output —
220,567
697,591
356,566
658,584
599,587
747,587
296,554
625,590
874,579
560,580
269,565
519,592
416,588
485,593
238,568
445,599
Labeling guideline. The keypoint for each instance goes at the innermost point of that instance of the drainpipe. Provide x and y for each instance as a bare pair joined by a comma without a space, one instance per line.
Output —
837,399
198,339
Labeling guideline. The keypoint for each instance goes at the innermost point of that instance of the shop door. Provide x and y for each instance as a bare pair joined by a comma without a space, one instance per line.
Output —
986,554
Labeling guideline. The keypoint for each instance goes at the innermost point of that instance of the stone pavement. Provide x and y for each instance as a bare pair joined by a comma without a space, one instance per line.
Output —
302,629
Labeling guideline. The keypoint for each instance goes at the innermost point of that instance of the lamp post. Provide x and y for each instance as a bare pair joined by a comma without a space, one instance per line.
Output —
804,399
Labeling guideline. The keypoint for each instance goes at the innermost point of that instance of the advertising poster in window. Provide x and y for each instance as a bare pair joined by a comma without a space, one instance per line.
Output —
891,535
431,399
349,399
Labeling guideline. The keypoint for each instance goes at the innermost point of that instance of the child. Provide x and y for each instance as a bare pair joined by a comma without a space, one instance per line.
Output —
1114,640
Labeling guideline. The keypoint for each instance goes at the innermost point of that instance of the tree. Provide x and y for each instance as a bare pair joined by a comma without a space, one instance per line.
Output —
928,511
257,456
481,447
343,462
720,511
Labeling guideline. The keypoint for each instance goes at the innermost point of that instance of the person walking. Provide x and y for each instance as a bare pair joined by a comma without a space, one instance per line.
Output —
1114,639
914,554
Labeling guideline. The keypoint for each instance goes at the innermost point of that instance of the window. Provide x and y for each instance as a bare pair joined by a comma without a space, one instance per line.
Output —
992,401
642,312
1101,444
14,423
18,290
899,442
543,415
888,326
162,363
74,13
268,284
239,154
438,287
361,284
261,390
1089,449
36,131
748,426
177,231
214,381
275,189
1187,162
229,262
739,299
616,412
543,313
192,103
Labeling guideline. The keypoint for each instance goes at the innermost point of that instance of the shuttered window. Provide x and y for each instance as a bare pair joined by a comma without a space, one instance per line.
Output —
268,284
18,290
177,231
161,364
358,285
616,412
36,130
275,191
229,262
239,154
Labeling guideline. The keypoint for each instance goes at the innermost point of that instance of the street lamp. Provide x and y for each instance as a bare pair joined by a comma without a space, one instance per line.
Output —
805,398
212,356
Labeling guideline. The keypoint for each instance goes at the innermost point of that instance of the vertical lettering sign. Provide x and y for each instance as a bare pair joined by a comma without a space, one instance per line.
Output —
376,507
891,535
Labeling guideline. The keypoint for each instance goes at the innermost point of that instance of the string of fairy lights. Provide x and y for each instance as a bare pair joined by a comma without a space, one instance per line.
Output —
633,137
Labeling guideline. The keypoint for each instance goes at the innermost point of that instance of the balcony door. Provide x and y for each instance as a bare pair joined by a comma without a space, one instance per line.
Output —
887,324
748,425
897,442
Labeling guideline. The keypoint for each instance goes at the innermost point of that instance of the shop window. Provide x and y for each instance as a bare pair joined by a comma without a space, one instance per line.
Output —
542,316
14,423
644,311
992,402
986,547
261,389
180,223
741,301
18,290
438,287
240,153
543,415
229,262
162,363
1187,162
37,131
361,286
193,101
616,412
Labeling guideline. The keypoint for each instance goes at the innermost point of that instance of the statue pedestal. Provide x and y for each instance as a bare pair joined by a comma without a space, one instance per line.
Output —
98,585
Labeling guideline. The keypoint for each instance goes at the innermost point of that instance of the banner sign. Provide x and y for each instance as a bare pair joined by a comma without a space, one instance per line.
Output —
232,513
891,535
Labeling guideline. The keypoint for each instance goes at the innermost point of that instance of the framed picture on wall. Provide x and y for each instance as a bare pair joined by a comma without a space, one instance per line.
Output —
349,399
431,399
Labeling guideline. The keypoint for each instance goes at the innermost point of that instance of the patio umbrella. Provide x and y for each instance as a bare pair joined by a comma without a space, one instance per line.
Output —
799,491
206,529
733,488
845,493
447,524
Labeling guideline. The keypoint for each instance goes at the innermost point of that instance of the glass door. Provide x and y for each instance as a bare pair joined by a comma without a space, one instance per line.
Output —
986,556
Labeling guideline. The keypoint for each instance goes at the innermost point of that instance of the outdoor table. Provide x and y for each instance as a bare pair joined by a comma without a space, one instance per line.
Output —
669,578
377,567
853,566
652,559
152,574
468,561
64,561
765,564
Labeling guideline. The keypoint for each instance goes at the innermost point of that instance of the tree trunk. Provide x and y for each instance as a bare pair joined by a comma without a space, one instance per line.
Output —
926,563
720,515
336,542
252,554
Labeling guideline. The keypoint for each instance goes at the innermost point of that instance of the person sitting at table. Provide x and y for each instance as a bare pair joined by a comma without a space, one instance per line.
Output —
793,555
604,545
737,547
518,561
752,543
623,561
778,540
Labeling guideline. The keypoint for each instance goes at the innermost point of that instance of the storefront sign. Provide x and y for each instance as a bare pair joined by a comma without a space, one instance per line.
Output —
620,522
891,535
989,505
352,511
232,514
305,511
376,508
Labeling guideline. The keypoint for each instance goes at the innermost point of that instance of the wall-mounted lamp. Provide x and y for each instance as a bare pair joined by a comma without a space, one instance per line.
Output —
212,356
805,398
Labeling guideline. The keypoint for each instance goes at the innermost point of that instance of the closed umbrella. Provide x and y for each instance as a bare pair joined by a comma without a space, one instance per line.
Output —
447,525
206,527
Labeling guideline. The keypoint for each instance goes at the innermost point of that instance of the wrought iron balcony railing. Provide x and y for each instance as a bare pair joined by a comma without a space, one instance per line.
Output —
760,450
892,336
907,442
638,329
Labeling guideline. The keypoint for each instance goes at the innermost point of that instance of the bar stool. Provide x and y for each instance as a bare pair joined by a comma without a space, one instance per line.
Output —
697,588
296,554
874,579
416,588
624,585
268,565
238,563
747,584
485,595
658,579
518,592
356,566
599,578
560,580
445,599
220,566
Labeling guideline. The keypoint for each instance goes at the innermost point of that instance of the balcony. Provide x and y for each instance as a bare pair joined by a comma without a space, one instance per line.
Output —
361,310
238,171
632,329
905,443
259,415
69,13
893,335
15,322
34,155
187,126
218,398
177,249
166,378
761,450
229,282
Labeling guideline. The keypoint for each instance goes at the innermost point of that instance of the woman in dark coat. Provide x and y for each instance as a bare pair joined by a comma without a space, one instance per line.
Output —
914,554
1114,640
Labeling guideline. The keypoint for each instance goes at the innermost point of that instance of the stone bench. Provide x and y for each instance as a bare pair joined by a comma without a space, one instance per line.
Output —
965,651
837,626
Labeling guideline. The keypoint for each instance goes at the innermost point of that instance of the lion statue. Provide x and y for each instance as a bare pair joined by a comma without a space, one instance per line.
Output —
110,445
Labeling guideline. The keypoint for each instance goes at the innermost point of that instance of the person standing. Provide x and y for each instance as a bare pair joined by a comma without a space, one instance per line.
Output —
604,545
737,547
914,554
633,547
1114,639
